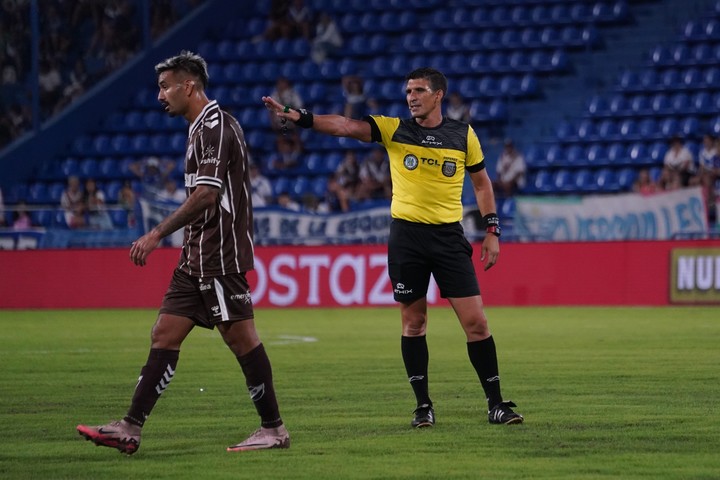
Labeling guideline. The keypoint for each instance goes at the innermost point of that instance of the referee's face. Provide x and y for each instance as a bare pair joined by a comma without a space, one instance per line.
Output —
421,99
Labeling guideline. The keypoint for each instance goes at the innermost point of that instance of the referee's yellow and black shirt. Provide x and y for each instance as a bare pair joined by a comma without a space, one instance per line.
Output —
427,166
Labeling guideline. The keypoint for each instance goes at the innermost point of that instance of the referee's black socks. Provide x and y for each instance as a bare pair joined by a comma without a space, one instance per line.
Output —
415,356
483,357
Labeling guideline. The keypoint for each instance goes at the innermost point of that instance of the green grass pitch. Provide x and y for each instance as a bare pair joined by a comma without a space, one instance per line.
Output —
607,393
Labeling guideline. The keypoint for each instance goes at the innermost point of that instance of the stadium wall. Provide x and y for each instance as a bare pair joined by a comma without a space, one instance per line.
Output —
602,273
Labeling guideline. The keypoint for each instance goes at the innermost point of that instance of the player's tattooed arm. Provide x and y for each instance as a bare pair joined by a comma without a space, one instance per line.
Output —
197,203
201,199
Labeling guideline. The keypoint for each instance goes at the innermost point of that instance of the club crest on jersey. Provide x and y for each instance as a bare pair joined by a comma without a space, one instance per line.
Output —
449,168
410,161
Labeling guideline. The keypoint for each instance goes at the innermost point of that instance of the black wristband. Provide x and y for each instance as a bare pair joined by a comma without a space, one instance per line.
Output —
491,220
306,118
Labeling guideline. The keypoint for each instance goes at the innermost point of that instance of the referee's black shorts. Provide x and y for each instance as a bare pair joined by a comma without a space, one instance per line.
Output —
416,250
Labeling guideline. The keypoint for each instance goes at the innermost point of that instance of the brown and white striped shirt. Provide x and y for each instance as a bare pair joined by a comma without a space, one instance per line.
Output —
220,240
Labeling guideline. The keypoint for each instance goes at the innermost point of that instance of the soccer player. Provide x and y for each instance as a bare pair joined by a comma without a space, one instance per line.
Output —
429,155
209,286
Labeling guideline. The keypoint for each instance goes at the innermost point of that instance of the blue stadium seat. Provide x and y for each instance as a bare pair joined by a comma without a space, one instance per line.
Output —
638,154
540,15
656,152
510,38
579,13
596,154
680,54
550,37
554,155
660,56
607,130
680,102
88,168
692,78
640,104
574,156
108,168
112,191
520,15
318,186
562,181
530,38
628,80
300,186
542,182
648,127
534,156
625,178
597,106
582,180
586,130
618,105
670,79
660,104
628,129
616,153
702,54
648,80
689,126
280,184
37,193
605,180
668,127
702,103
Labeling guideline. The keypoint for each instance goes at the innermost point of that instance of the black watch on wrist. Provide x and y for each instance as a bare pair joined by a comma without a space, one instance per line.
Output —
494,229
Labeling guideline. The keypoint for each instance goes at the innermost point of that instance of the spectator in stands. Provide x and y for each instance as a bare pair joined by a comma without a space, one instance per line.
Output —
301,19
126,200
374,177
21,217
153,172
72,201
669,180
347,174
457,109
260,186
287,156
50,82
312,204
94,199
644,183
707,184
287,132
278,24
709,155
510,170
679,159
327,40
355,99
337,198
285,201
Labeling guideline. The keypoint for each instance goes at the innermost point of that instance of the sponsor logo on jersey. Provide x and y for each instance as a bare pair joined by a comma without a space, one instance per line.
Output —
449,168
431,140
216,310
410,161
244,297
401,290
205,286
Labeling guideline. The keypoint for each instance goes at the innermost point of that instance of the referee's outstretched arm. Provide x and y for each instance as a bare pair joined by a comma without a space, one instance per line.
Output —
335,125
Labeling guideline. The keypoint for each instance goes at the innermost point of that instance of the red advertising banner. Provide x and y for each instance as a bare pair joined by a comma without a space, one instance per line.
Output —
589,273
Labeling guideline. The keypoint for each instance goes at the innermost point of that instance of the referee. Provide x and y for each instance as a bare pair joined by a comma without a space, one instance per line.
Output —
429,155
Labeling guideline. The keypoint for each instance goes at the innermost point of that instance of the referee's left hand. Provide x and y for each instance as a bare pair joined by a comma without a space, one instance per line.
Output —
490,250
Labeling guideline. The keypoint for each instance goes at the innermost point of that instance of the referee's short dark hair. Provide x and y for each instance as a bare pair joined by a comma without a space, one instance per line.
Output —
436,78
188,62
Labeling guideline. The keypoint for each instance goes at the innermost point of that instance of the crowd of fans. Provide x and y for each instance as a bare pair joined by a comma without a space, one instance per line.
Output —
105,36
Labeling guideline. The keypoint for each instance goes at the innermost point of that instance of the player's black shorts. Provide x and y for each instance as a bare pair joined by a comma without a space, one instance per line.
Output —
416,250
208,301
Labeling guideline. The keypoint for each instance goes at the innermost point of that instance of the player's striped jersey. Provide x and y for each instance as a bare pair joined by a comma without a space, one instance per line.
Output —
427,166
220,240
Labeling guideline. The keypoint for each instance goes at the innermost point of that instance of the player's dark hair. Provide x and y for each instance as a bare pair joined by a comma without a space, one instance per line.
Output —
437,80
188,62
